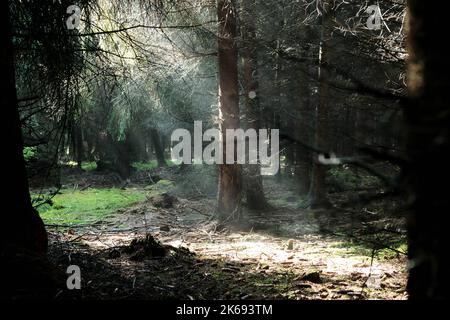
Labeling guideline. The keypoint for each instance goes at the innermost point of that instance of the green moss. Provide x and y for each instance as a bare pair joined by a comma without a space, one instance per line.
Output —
88,206
165,184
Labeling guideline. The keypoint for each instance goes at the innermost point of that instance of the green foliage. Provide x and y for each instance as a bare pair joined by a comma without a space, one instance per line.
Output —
74,207
384,249
143,166
85,165
29,153
89,166
344,178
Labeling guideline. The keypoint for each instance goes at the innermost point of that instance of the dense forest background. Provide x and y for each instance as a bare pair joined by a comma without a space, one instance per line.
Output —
93,90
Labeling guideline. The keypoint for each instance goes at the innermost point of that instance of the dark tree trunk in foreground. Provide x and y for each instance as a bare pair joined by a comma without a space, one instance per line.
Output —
428,118
22,225
253,179
157,146
318,192
25,270
229,192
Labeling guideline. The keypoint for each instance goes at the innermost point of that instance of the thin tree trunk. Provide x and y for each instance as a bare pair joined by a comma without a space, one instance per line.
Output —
318,193
275,120
427,116
229,193
78,143
303,157
253,179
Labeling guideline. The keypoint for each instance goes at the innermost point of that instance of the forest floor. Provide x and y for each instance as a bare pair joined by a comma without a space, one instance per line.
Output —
288,252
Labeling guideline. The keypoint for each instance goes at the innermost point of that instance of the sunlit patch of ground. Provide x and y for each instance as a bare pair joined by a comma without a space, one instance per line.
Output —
337,269
310,266
281,254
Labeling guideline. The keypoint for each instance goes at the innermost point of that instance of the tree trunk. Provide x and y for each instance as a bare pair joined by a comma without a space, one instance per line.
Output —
427,116
253,179
157,146
303,158
275,119
229,193
22,226
77,143
318,193
123,161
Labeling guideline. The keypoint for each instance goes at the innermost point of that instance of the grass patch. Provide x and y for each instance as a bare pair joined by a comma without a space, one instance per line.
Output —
74,207
298,202
385,249
89,166
149,165
85,165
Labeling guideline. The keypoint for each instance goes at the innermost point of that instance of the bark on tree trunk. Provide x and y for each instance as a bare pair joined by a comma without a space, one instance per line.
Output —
303,158
157,146
229,193
427,116
123,161
318,193
253,179
22,226
77,143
